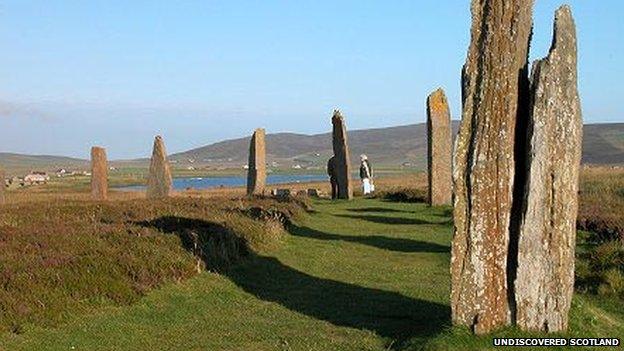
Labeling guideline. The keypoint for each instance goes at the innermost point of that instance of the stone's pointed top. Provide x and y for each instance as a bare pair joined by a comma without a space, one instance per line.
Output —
437,102
564,29
159,145
564,10
337,114
564,18
259,130
439,91
98,150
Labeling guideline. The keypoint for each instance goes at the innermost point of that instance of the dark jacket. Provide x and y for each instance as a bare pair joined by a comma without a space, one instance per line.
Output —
364,172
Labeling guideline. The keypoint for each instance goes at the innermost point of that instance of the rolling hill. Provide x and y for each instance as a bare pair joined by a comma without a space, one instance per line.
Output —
18,164
393,146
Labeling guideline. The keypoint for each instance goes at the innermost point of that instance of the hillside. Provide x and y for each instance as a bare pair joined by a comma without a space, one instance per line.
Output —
603,144
15,164
390,146
393,146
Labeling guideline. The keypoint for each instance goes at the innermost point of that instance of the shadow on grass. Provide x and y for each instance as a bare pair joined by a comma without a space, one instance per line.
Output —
377,209
386,313
389,314
378,241
389,220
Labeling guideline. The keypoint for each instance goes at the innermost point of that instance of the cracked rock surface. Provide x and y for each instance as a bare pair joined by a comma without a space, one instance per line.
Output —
547,238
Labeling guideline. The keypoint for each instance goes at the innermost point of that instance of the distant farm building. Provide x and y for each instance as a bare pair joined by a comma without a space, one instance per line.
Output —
36,178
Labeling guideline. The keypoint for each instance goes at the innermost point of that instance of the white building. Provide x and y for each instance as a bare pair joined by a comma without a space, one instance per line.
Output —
36,178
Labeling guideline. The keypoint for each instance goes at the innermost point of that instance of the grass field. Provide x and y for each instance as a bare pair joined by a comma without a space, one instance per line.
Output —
361,275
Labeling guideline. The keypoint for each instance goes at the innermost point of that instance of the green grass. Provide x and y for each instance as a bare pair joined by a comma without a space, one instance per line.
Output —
360,275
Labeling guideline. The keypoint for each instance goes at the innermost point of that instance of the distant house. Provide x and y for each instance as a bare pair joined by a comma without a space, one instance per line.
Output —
36,178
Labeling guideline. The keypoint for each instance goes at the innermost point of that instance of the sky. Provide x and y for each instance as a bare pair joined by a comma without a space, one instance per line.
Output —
116,73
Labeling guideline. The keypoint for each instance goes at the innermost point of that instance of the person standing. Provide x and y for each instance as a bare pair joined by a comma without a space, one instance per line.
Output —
333,177
366,175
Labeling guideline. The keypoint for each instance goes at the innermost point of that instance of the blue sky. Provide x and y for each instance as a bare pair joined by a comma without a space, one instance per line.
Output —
115,73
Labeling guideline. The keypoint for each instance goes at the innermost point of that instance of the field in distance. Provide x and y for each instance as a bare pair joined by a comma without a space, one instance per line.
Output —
393,147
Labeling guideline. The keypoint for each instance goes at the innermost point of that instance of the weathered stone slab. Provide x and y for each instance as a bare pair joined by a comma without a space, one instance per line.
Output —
342,157
545,273
256,174
494,82
2,187
99,174
439,150
159,179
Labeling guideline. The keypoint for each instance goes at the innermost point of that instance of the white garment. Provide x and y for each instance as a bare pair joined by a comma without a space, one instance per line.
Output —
367,186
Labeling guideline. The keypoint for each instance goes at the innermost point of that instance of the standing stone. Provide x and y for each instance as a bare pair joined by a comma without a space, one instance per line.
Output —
99,174
2,187
439,149
256,175
159,179
341,152
494,83
545,274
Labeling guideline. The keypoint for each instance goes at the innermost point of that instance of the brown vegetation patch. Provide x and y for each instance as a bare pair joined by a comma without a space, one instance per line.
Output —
66,255
601,205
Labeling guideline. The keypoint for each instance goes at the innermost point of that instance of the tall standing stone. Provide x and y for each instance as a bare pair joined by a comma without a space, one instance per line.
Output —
256,174
494,83
545,274
342,157
439,149
99,174
159,179
2,187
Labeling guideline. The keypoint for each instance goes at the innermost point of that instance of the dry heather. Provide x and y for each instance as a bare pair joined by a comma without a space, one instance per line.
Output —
65,255
600,268
601,208
412,189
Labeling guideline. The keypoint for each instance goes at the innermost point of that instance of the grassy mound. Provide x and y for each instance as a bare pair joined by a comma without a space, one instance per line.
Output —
59,256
